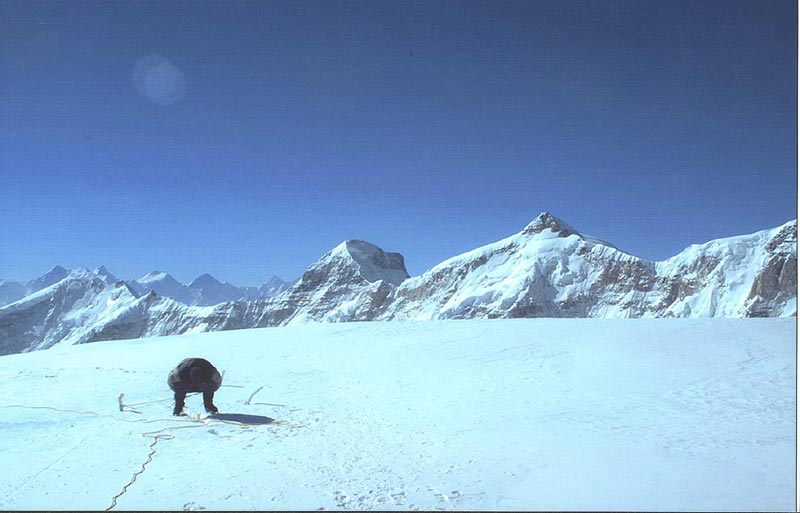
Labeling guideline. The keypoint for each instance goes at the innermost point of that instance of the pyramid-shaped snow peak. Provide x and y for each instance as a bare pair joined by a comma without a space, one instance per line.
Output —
51,277
205,280
57,270
156,276
547,221
375,264
104,274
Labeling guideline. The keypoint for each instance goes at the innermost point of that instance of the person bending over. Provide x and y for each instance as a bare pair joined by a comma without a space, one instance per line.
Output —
194,375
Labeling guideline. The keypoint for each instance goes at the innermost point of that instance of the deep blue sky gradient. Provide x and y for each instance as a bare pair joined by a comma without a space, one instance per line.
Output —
427,128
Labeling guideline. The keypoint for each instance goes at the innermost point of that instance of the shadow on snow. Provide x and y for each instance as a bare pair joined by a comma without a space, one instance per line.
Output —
244,418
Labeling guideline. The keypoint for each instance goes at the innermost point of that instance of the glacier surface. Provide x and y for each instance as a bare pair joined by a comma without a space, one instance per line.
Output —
517,414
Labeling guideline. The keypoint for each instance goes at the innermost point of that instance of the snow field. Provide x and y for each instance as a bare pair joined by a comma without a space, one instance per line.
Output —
669,414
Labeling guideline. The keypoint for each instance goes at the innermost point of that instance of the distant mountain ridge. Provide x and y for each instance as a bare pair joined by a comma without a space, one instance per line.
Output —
549,269
204,290
11,290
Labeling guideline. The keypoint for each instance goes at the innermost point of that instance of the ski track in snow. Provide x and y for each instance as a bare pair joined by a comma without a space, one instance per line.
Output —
498,414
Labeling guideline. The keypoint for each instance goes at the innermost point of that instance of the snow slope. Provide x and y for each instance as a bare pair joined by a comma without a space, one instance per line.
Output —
608,414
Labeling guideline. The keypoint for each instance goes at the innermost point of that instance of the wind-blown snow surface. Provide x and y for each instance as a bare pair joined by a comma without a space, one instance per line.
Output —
670,414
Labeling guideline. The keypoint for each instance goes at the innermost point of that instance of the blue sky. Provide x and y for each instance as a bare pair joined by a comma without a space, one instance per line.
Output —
246,139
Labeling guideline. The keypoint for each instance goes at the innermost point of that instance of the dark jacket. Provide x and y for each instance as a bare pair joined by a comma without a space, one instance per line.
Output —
194,375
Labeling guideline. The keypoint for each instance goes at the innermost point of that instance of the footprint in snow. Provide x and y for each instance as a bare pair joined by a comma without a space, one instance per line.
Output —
445,497
399,497
341,498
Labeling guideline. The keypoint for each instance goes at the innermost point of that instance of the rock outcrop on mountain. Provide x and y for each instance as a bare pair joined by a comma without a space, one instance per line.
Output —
549,269
774,289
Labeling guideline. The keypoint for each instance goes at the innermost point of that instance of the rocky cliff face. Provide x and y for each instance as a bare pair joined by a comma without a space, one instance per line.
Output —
549,269
774,289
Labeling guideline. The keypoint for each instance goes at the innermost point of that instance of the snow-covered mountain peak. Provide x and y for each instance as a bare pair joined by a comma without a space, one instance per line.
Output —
272,287
207,290
104,274
155,276
549,226
54,275
350,282
205,280
163,284
80,273
123,285
274,281
547,221
373,263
